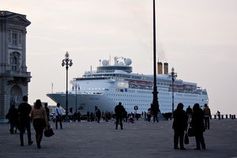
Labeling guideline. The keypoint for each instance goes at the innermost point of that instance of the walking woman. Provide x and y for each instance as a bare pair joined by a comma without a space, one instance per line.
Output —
40,121
198,126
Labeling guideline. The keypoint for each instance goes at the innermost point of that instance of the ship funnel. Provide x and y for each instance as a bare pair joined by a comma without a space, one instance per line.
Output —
160,68
166,68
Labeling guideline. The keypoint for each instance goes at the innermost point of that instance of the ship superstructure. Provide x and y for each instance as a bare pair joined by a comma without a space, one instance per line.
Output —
113,83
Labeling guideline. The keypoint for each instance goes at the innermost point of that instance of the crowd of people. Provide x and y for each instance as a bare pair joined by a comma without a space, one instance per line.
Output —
194,118
193,122
21,118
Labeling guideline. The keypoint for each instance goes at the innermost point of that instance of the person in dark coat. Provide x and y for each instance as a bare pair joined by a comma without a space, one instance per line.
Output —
197,124
119,114
189,111
179,126
47,110
98,114
12,116
207,116
24,110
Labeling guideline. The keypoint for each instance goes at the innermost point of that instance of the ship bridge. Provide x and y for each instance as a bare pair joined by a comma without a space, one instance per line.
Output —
113,68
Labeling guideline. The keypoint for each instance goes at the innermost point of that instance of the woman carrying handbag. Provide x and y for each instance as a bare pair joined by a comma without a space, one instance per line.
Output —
40,121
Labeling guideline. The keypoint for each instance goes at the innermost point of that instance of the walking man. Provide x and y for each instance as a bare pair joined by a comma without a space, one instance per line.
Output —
207,115
58,114
179,126
119,114
24,110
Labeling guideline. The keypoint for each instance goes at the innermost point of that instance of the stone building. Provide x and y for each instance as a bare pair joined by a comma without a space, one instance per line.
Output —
14,77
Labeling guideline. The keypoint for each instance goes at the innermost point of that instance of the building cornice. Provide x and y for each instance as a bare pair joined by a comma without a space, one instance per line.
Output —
14,18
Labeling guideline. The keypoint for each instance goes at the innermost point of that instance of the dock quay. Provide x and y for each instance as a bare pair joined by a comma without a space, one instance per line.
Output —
138,140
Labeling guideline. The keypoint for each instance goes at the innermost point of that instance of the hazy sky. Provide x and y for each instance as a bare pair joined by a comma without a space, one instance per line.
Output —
197,37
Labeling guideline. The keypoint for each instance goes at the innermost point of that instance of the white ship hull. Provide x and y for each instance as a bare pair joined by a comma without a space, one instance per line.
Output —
112,84
87,102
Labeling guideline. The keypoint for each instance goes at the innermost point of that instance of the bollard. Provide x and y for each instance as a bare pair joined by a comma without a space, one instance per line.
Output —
230,116
214,116
222,116
226,116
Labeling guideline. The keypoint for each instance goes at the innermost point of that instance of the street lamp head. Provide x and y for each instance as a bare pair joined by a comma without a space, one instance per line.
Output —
63,62
173,74
70,62
66,61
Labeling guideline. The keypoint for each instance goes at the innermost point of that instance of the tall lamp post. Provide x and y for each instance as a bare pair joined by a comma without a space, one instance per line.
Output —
67,62
173,76
155,104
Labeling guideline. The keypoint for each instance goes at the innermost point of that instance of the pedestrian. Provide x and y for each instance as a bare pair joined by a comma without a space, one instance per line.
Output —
24,110
189,112
119,114
40,121
12,116
98,114
218,113
70,114
78,116
207,116
47,110
149,115
197,125
58,114
92,117
179,126
88,116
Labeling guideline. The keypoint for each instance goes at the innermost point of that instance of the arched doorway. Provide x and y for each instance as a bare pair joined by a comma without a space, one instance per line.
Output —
16,94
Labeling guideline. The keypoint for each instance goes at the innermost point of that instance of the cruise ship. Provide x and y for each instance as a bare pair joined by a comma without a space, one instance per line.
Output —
114,82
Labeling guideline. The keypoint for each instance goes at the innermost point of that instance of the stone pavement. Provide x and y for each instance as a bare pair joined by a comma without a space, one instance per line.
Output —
139,140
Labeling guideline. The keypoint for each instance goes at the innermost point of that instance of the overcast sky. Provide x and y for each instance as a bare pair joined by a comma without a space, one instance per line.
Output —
196,37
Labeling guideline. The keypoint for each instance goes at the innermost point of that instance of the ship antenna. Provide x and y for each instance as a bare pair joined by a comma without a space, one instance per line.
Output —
91,68
109,59
52,87
100,62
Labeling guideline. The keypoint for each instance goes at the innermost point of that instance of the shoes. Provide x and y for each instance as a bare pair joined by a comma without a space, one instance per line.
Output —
182,148
30,142
38,146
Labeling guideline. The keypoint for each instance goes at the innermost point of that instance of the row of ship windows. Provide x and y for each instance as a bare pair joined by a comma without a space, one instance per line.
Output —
129,96
132,100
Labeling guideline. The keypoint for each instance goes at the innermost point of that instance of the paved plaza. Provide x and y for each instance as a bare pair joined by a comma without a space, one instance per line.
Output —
139,140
